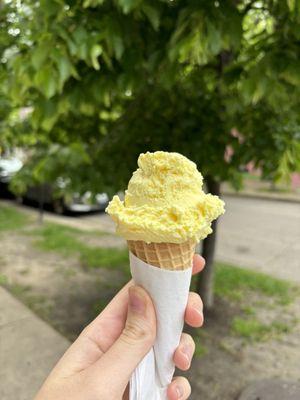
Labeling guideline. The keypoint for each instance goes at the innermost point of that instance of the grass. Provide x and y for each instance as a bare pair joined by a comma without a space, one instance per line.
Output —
254,330
200,349
11,219
232,282
36,302
3,279
19,290
248,310
239,285
251,177
58,238
99,306
55,237
101,256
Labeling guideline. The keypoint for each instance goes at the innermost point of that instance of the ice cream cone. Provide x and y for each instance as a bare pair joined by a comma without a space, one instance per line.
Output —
171,256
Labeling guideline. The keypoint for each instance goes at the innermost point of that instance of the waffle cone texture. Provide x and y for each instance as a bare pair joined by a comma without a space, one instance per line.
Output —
171,256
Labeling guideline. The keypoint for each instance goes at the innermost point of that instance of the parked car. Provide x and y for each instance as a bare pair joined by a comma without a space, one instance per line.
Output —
8,167
66,202
46,193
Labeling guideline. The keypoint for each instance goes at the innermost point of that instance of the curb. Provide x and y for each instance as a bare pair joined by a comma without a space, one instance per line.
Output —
263,196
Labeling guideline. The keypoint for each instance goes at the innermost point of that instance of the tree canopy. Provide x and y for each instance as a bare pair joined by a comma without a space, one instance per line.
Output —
104,80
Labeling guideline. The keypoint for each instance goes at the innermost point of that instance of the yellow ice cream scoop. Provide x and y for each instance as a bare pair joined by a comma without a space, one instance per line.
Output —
164,202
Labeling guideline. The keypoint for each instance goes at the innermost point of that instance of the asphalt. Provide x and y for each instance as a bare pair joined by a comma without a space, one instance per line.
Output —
262,235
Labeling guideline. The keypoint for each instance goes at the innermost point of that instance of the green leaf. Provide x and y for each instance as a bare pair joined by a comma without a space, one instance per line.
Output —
128,5
64,69
49,114
291,4
50,7
92,3
63,63
214,38
66,37
118,46
46,81
81,36
114,37
292,74
152,14
96,51
74,73
39,56
247,89
261,89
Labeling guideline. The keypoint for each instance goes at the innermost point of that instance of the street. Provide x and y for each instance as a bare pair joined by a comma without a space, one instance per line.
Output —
261,234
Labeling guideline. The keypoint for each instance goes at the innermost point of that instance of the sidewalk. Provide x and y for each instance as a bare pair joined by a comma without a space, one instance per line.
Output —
261,191
286,197
29,348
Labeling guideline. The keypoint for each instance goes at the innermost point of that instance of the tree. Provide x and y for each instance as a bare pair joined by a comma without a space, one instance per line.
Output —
113,78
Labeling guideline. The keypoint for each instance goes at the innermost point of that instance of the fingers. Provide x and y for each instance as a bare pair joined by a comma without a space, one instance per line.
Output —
184,353
134,342
198,263
194,311
111,320
179,389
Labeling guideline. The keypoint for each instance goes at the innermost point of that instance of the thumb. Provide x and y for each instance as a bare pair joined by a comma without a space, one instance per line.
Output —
135,341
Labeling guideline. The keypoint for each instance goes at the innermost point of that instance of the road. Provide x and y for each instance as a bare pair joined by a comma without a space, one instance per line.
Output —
260,234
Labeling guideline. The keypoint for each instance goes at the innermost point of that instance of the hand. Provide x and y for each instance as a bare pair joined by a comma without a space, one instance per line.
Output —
99,364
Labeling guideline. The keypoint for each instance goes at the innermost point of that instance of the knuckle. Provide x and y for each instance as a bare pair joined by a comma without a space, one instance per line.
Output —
138,332
85,332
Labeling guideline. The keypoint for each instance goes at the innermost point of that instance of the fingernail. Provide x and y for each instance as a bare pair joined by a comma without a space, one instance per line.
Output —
179,391
199,312
187,352
137,303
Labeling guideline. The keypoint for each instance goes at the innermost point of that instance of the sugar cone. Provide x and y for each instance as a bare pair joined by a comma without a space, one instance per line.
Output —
171,256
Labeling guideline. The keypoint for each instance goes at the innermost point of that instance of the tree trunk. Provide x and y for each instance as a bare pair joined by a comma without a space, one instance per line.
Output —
205,283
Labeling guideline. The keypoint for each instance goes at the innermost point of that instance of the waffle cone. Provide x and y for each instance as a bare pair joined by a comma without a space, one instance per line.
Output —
172,256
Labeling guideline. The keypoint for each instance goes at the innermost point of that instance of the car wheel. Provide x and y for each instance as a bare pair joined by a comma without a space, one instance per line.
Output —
58,206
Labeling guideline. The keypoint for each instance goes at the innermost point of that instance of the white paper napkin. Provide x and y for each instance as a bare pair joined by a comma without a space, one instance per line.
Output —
169,292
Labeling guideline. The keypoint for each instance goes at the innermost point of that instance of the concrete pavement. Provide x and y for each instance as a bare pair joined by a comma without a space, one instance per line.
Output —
29,348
